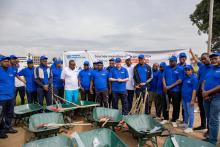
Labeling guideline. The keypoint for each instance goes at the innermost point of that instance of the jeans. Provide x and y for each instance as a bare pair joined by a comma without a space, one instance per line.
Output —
41,94
102,98
72,95
7,114
130,95
21,91
176,99
214,118
123,97
32,97
188,114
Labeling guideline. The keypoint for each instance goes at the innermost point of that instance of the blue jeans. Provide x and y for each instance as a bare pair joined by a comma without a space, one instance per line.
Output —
214,117
188,114
41,94
72,95
206,105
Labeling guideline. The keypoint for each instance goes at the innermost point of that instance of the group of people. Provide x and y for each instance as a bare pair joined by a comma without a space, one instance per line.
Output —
164,84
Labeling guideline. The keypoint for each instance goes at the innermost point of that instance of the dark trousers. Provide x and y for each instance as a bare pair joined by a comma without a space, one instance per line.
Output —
123,97
102,98
86,95
110,97
21,91
159,104
176,99
130,95
6,115
41,94
58,91
165,106
32,97
201,108
142,92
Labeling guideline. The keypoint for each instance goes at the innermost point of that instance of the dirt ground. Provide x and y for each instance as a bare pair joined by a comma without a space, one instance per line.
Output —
18,139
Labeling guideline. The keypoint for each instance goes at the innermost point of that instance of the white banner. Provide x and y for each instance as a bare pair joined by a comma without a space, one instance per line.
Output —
151,56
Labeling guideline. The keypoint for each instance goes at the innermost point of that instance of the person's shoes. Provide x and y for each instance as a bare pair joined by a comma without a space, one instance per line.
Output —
188,130
3,136
206,139
174,124
200,128
164,122
11,131
183,125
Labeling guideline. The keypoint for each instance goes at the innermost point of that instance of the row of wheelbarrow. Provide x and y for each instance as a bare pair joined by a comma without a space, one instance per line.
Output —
143,128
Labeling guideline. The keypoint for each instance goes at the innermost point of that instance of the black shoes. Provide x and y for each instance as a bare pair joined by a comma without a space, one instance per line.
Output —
200,128
3,136
11,131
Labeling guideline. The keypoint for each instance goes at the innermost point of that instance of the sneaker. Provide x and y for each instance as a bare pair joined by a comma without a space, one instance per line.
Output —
174,124
200,128
164,122
3,136
188,130
11,131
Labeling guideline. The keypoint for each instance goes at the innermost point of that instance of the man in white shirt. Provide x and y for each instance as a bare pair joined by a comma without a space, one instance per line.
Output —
70,77
130,83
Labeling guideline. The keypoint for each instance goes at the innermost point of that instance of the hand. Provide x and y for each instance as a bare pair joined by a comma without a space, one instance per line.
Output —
205,94
45,87
119,80
165,90
143,84
206,98
82,88
168,87
192,103
190,51
137,86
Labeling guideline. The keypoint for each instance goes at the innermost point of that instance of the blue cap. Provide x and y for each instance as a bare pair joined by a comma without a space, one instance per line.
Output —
43,58
100,62
173,58
163,64
182,55
86,63
57,62
188,67
13,57
29,61
112,59
214,54
118,60
2,58
141,56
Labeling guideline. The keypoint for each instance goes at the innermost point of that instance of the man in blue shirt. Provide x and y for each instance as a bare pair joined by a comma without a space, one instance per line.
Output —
119,76
111,65
172,86
153,86
204,68
56,70
142,77
161,103
99,79
211,93
7,87
84,82
31,87
189,88
42,79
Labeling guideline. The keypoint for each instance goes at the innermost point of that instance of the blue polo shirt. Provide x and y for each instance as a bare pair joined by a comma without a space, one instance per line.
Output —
203,70
85,77
57,82
189,84
181,68
100,78
159,88
28,73
116,73
7,83
212,78
153,83
171,75
142,70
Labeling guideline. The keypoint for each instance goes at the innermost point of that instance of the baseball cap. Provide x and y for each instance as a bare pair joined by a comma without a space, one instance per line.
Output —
182,55
141,56
43,58
173,58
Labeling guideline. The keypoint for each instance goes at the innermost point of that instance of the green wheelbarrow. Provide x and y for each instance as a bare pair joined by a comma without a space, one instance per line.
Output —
37,120
114,116
144,127
98,138
56,141
23,112
184,141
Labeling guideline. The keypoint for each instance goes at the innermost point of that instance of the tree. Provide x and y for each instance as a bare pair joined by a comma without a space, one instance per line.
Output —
200,18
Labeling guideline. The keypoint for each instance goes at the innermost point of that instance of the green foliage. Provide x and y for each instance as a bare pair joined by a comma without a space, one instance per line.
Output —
200,18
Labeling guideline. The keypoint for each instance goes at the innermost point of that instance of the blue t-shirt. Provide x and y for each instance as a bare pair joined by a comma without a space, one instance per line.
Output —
28,73
160,76
85,77
57,82
7,83
153,83
212,78
190,83
203,70
181,68
100,78
142,70
171,75
118,74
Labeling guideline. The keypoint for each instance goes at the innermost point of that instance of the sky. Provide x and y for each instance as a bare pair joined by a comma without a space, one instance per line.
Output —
52,26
